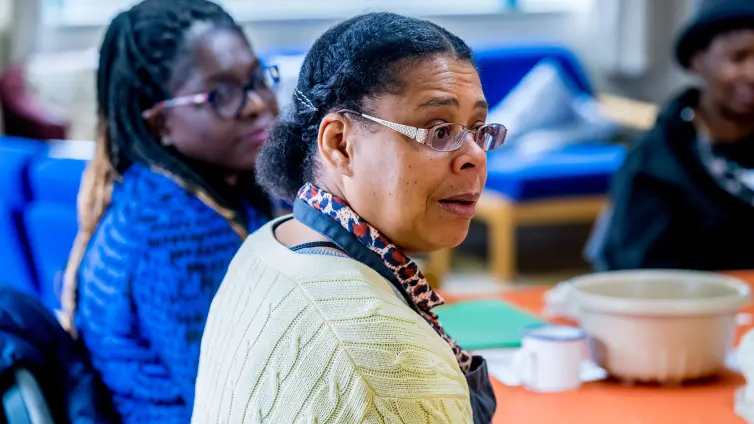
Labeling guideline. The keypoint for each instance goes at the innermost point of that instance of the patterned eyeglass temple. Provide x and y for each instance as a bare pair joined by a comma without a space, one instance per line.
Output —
419,134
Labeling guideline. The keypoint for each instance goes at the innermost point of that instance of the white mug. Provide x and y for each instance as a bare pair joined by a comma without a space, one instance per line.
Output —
550,358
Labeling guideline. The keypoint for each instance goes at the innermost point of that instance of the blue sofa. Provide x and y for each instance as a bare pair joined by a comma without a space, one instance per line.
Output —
580,170
37,216
50,220
15,156
502,68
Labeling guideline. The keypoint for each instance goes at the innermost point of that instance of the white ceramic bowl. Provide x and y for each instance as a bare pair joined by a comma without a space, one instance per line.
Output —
660,326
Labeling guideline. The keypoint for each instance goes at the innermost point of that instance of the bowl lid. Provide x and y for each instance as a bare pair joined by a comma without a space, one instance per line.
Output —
660,292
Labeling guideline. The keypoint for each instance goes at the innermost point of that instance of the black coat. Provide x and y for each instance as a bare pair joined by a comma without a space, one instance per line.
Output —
32,339
668,212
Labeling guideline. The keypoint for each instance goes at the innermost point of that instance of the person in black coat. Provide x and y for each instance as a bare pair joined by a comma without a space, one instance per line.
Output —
684,198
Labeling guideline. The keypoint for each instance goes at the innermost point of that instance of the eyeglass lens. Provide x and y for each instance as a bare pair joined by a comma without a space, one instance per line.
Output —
229,99
448,137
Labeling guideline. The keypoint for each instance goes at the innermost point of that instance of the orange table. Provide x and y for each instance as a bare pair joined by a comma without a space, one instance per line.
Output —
612,403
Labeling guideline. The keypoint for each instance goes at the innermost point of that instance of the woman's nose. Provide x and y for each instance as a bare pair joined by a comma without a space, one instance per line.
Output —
255,105
471,157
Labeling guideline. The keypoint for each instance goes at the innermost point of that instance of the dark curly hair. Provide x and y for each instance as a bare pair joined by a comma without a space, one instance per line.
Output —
355,60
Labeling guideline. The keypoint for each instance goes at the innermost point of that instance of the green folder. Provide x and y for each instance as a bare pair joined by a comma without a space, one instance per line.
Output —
485,324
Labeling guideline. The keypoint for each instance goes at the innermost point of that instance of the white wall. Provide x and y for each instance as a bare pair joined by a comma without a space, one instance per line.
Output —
572,29
664,77
479,31
5,15
275,34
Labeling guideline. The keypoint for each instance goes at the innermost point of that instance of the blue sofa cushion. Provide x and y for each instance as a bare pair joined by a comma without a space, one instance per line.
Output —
17,270
573,171
501,68
51,229
15,156
56,180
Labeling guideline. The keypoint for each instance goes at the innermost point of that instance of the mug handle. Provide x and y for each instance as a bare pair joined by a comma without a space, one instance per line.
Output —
523,360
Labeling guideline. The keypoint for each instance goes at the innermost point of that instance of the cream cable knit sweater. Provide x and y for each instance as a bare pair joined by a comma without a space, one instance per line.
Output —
295,338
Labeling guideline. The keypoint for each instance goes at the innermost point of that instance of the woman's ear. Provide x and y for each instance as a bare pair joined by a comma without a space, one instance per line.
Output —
156,122
335,146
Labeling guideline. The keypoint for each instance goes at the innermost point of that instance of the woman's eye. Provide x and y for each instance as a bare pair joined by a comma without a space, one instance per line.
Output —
739,57
442,132
223,93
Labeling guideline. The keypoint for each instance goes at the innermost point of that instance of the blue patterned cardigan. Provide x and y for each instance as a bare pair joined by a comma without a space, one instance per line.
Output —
145,287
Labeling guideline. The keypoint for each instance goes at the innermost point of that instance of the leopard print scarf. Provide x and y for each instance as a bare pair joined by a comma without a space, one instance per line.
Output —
405,269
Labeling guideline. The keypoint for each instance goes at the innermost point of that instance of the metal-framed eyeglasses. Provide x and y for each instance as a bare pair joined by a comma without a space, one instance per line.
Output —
445,137
228,100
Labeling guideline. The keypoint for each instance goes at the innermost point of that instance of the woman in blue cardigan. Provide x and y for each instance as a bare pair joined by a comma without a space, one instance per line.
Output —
184,105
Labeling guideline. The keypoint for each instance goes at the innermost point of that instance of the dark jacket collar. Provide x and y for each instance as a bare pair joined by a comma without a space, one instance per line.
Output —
666,150
676,123
676,119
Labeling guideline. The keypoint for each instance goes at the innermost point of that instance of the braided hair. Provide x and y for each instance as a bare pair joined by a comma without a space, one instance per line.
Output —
350,63
137,69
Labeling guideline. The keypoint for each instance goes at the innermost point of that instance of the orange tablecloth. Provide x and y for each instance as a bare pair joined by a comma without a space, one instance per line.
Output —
612,403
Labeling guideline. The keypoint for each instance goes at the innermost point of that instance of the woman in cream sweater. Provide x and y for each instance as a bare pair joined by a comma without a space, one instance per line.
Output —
323,317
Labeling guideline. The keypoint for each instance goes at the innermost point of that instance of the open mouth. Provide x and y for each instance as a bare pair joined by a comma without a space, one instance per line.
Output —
463,206
460,202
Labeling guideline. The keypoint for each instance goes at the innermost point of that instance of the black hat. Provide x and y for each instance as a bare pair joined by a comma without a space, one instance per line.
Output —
713,18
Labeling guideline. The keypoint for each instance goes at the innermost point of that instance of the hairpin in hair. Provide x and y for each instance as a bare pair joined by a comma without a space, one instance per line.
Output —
301,97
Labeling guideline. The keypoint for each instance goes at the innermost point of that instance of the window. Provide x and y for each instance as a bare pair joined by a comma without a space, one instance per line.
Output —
100,12
556,5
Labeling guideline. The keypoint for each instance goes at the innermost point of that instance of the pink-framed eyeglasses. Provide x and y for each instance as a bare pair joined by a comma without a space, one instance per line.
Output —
229,99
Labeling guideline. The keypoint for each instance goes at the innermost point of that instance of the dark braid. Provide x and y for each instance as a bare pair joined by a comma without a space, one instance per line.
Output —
352,62
137,69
